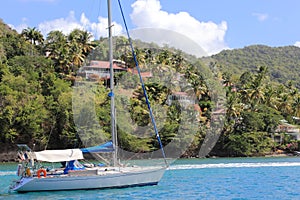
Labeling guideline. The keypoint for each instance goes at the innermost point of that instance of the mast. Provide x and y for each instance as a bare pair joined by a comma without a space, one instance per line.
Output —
111,94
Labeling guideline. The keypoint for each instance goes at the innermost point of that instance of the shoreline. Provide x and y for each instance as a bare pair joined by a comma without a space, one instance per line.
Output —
11,157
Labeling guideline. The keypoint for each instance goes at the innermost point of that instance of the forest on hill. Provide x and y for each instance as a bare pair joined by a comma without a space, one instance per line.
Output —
38,76
283,62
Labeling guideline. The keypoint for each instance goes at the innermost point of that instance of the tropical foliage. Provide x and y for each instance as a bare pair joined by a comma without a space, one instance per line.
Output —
38,78
283,62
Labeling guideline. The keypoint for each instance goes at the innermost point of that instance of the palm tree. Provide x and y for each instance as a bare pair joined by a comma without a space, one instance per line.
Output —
296,105
270,96
85,41
257,86
177,61
285,105
164,57
252,90
33,35
80,46
57,49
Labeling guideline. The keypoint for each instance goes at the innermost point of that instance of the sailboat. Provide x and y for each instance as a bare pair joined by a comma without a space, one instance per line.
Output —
72,175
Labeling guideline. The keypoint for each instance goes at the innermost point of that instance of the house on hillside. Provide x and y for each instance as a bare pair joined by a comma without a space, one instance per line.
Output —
285,128
101,69
143,74
182,97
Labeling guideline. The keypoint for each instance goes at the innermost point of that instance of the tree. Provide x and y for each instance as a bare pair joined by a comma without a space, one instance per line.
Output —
14,45
57,49
68,52
253,91
80,47
22,112
249,144
296,105
33,35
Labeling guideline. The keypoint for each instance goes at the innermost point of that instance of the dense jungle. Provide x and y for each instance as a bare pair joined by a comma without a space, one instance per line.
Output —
240,96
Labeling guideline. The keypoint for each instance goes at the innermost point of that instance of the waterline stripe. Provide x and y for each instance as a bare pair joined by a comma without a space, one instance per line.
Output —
203,166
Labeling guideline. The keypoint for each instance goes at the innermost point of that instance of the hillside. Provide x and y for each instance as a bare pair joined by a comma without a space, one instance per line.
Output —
11,43
36,94
4,30
283,62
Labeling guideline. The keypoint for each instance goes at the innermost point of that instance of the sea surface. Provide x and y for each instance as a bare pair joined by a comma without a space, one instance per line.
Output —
217,178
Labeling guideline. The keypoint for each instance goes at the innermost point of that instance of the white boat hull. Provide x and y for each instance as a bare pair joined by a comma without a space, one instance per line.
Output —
125,178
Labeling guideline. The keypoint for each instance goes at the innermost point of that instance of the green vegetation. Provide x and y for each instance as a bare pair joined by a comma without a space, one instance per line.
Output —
283,62
38,77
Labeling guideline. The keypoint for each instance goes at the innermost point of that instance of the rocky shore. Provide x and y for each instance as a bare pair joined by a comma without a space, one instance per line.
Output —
9,157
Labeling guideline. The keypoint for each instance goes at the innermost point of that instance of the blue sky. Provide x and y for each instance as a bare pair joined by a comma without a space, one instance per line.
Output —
214,25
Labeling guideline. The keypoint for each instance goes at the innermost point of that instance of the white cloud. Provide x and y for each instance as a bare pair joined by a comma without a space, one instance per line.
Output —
297,44
146,14
261,16
99,28
209,35
68,24
21,26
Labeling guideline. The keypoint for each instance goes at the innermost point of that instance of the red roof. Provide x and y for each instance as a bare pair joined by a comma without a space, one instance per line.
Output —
143,74
103,65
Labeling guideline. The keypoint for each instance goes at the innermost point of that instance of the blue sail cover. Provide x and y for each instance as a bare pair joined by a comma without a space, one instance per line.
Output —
107,147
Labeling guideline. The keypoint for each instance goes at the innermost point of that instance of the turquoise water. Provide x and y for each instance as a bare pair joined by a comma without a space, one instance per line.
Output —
220,178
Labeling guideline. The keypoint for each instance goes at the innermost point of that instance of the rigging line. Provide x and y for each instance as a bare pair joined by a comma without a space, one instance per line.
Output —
99,9
98,15
52,127
95,14
143,85
92,9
